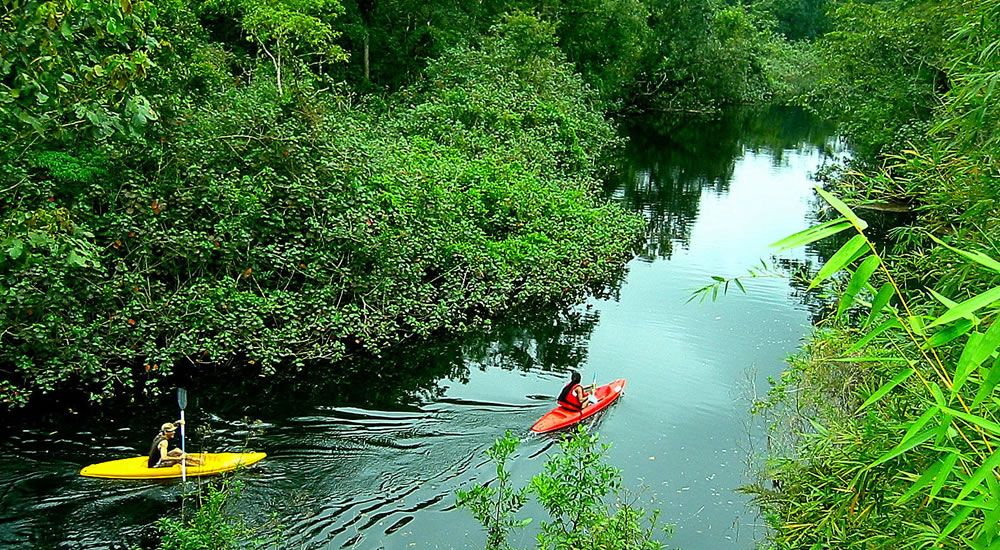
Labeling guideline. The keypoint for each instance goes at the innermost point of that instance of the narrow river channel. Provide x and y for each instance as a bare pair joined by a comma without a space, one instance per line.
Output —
373,461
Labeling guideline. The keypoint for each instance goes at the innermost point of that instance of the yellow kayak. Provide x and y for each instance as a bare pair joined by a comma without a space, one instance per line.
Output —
135,468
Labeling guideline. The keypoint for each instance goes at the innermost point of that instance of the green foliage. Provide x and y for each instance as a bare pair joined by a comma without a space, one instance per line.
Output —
271,229
74,66
212,525
925,373
574,489
496,507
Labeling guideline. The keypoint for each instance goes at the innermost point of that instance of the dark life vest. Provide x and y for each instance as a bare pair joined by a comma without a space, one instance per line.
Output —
154,451
568,398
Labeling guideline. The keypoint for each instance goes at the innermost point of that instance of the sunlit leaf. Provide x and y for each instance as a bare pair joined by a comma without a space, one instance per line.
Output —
968,307
839,260
948,334
858,281
978,348
812,234
880,301
978,257
843,209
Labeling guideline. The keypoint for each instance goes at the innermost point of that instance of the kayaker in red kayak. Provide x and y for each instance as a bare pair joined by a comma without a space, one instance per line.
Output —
573,396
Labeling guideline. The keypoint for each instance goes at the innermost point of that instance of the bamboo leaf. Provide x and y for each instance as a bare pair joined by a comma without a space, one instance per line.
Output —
983,423
978,257
812,234
969,306
860,344
839,260
858,281
977,349
880,301
916,324
955,522
948,302
920,422
843,209
947,467
948,334
990,381
924,480
904,446
887,387
976,480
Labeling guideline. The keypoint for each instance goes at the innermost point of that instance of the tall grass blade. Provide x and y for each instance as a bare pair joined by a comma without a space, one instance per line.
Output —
887,387
858,281
844,210
839,260
969,307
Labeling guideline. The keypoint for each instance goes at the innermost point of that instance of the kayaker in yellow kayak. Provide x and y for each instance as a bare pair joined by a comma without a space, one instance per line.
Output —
159,454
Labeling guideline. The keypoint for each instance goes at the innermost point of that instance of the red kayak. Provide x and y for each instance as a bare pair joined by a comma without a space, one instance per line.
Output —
560,418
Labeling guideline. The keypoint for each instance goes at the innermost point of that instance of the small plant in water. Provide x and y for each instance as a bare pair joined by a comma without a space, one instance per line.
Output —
582,494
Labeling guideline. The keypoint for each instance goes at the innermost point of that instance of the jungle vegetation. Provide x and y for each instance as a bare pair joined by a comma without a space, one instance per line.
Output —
263,185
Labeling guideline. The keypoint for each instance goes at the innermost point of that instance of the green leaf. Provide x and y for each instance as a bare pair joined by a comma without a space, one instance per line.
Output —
976,480
886,325
969,306
983,423
844,210
840,259
947,467
955,522
880,301
978,348
15,249
887,387
920,422
858,281
978,257
905,446
812,234
948,334
990,381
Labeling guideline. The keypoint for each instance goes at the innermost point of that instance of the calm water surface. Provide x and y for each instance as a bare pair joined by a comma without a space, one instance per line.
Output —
373,460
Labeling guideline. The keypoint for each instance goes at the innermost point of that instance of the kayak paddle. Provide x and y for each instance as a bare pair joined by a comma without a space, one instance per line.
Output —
182,401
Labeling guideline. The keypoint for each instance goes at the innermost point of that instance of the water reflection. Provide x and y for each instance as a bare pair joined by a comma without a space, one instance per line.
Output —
667,168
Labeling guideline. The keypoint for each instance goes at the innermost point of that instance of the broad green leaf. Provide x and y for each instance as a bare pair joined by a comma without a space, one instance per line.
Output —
920,422
938,395
978,257
976,480
812,234
969,306
948,334
887,387
905,446
916,323
858,281
886,325
880,301
15,249
840,259
948,302
843,209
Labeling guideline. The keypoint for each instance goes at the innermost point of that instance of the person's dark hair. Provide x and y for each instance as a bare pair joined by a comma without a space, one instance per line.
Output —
575,377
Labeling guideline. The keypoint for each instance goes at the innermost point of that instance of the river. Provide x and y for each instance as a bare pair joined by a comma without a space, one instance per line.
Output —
372,459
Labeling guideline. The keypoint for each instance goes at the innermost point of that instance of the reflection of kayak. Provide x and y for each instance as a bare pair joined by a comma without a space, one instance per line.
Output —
560,418
135,468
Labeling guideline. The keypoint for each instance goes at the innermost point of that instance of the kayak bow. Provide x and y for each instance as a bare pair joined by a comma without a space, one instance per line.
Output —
560,417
